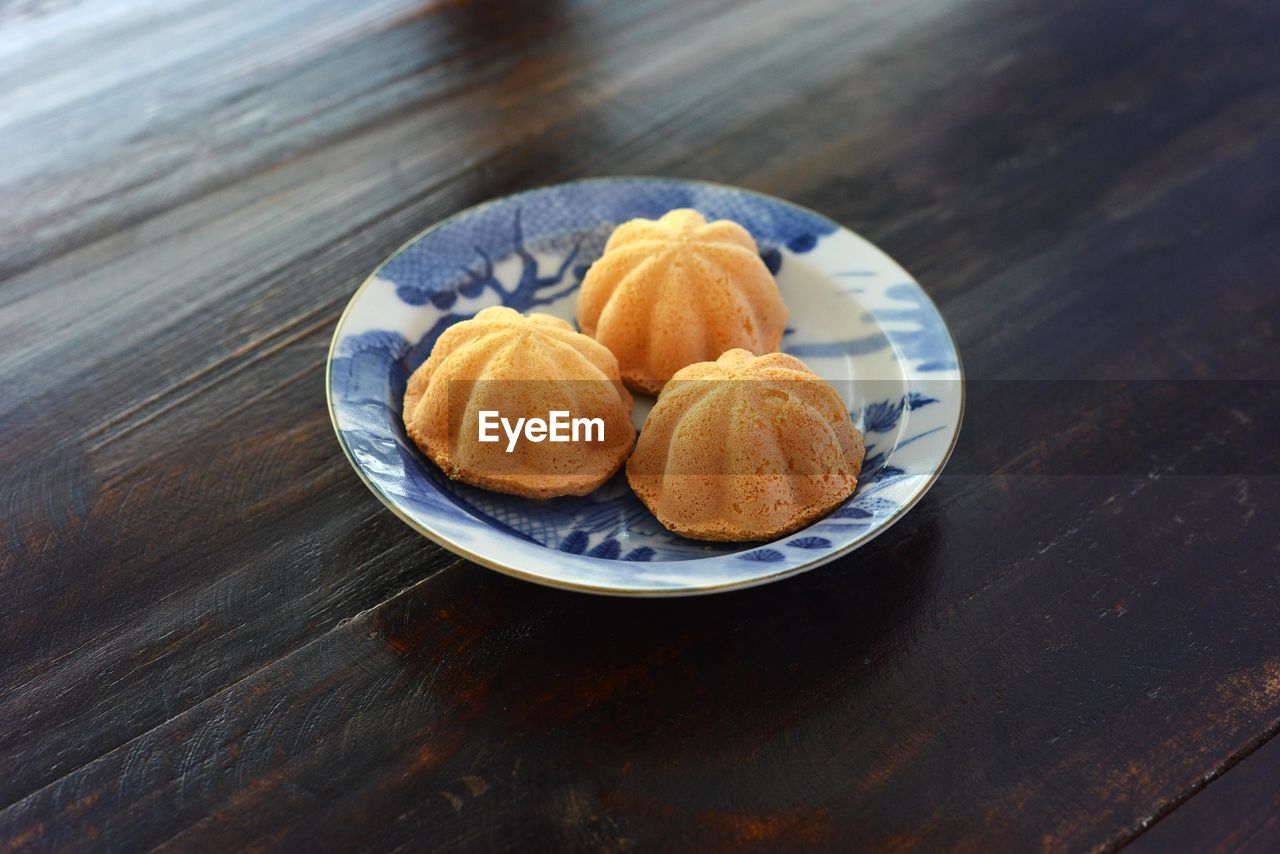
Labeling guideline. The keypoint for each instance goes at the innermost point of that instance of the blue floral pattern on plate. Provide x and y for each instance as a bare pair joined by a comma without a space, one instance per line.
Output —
857,319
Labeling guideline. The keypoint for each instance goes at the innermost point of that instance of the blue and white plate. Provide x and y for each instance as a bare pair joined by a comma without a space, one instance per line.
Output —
857,319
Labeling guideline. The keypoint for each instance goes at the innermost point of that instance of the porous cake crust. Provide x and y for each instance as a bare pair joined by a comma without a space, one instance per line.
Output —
522,367
745,448
671,292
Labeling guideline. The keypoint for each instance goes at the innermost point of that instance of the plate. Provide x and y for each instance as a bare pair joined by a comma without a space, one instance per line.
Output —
857,319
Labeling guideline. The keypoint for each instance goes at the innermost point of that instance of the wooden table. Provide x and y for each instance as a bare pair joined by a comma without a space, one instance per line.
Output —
212,636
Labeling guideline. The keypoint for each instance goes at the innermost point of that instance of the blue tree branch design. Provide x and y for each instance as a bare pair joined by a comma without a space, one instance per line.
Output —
529,291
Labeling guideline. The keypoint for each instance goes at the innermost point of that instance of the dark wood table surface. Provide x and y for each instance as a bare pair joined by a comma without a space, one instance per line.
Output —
212,636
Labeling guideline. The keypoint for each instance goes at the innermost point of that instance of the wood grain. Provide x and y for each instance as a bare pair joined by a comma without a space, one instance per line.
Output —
1239,811
211,635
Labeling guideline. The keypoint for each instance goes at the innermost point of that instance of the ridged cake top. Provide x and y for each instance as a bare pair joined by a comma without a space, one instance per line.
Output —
671,292
744,448
520,367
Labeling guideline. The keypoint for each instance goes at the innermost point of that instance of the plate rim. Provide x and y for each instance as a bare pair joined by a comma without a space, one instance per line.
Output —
658,593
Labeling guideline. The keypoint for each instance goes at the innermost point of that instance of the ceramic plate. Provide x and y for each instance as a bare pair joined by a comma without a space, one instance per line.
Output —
857,319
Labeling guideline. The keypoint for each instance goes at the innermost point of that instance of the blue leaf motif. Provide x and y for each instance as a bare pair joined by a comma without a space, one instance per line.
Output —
881,417
608,549
412,296
916,400
470,290
883,473
575,543
444,299
871,465
641,553
772,259
852,513
763,556
802,242
810,543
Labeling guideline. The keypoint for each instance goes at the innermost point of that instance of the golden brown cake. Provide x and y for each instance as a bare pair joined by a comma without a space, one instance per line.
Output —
671,292
745,448
520,367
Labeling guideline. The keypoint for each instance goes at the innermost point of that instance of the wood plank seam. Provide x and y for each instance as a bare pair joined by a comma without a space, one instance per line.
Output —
232,685
1168,808
327,310
174,402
